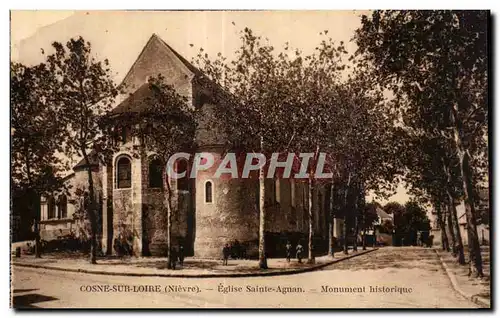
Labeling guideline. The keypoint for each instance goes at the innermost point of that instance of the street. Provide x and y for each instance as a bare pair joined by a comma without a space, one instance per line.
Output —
388,278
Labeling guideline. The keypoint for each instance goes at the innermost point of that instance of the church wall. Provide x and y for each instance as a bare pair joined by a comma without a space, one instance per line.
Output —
127,208
232,214
154,214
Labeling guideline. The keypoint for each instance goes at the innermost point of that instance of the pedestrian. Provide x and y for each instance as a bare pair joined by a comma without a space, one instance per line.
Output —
288,251
173,258
299,250
225,254
181,255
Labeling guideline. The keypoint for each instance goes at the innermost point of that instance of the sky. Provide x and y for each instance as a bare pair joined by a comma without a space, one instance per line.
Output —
120,35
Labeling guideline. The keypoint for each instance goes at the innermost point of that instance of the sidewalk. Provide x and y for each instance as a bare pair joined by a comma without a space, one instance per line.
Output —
193,267
478,291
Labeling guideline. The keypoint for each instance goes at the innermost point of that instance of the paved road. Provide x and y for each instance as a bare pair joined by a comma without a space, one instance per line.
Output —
387,278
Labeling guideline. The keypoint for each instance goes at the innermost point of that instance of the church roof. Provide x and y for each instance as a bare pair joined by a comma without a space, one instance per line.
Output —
156,39
135,102
189,66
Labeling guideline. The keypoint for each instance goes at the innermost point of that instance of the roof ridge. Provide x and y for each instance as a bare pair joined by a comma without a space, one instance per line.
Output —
184,61
137,59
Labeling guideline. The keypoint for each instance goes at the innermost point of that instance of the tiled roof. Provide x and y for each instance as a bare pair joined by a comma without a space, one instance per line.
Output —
136,102
94,161
190,66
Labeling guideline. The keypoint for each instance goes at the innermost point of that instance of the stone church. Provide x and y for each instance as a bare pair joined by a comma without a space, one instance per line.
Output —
207,212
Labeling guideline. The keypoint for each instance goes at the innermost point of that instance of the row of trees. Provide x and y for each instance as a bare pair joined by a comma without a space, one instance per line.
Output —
435,65
291,102
57,111
269,102
416,87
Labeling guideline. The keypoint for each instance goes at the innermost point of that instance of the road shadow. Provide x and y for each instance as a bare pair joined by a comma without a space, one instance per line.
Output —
27,301
391,257
24,290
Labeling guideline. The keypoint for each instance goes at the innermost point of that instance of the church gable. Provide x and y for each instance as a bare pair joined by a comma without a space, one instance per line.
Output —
158,58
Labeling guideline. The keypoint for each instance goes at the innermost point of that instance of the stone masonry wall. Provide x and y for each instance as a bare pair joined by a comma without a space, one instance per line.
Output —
127,206
232,215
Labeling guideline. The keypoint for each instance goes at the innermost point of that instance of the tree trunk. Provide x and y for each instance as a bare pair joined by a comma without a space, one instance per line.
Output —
34,206
262,215
345,245
36,227
364,230
459,249
356,230
475,259
359,206
168,199
310,259
441,221
91,210
331,242
451,231
34,198
346,195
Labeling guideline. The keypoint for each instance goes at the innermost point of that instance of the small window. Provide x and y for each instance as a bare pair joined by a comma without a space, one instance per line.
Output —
182,183
124,173
51,208
155,173
62,206
208,192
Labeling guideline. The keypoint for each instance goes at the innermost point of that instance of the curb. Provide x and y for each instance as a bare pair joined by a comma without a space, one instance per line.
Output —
478,300
264,273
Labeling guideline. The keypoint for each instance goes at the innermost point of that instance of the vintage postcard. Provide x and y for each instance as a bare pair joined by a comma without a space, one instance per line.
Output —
250,159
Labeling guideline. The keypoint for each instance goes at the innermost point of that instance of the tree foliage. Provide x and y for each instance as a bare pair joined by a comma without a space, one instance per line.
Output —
35,140
436,63
85,92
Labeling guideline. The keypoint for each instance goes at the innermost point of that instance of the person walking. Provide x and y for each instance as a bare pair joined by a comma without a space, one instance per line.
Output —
288,251
181,255
173,258
299,250
225,254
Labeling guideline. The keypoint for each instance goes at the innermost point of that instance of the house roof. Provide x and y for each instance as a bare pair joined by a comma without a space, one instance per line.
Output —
94,161
382,214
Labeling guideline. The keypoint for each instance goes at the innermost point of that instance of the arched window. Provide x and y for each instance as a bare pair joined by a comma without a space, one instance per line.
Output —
62,206
51,208
155,173
123,173
182,183
208,192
